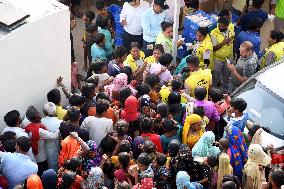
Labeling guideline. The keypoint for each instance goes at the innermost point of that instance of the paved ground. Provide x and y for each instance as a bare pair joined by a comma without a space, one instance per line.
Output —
78,31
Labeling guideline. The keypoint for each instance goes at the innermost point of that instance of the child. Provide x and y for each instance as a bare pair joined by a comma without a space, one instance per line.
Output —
122,173
99,69
115,66
171,131
212,163
153,81
221,102
102,23
97,50
93,158
236,115
225,168
208,106
92,30
88,16
74,77
160,68
103,13
145,106
200,111
161,172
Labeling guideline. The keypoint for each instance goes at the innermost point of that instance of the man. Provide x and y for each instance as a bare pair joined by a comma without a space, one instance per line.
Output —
73,125
55,97
197,77
98,126
222,39
171,10
277,8
276,180
115,66
51,123
151,21
17,167
245,67
13,121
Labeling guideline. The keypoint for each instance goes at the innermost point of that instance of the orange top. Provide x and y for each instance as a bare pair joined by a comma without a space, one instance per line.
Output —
70,148
108,114
34,182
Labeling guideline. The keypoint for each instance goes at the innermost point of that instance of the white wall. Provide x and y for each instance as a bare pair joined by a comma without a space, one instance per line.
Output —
32,57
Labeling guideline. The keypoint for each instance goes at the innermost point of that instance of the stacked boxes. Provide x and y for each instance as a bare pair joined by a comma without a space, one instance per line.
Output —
115,11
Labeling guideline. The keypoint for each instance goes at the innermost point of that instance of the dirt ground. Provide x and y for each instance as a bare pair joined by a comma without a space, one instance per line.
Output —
90,4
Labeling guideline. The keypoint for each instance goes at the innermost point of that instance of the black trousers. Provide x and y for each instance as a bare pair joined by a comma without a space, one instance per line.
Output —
128,38
147,51
42,166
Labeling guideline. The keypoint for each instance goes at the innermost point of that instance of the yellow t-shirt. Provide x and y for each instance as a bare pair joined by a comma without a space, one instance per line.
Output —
165,92
60,112
150,60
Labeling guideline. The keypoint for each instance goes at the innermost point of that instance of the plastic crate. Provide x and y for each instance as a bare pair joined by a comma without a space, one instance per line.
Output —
118,42
115,10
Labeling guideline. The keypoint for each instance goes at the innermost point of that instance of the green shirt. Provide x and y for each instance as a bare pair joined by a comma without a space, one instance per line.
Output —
279,11
166,42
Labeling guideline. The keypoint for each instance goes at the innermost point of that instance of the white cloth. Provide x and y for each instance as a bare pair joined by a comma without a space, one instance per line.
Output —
52,145
102,77
98,128
132,15
19,131
170,12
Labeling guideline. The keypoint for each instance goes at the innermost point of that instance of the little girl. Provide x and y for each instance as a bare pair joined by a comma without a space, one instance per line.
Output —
161,172
97,50
93,158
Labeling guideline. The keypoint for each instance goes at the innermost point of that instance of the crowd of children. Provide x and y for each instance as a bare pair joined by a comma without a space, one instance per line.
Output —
139,121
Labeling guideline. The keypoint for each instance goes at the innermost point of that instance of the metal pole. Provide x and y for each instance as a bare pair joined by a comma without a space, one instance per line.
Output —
175,30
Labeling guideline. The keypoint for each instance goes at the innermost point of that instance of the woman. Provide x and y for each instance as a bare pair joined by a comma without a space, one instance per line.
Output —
165,38
237,151
49,179
275,50
192,130
204,147
93,158
130,18
34,182
183,181
225,168
96,178
130,112
254,168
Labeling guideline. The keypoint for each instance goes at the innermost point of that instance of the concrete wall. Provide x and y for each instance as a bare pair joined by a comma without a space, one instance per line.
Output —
32,57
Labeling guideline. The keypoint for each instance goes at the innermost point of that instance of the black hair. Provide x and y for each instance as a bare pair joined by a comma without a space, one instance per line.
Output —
175,108
134,45
96,68
193,60
101,106
88,90
124,93
102,96
143,89
144,159
72,164
200,93
102,22
128,71
108,169
91,28
233,178
173,147
54,96
216,94
100,5
109,183
224,12
176,85
174,98
77,100
124,159
125,146
229,185
65,2
224,20
199,110
8,135
92,81
90,15
12,118
24,144
121,127
73,114
149,147
239,104
107,145
254,23
276,35
213,161
99,38
152,80
161,159
159,47
32,114
253,130
257,3
169,125
146,125
119,52
9,146
203,30
67,180
163,110
166,25
166,59
277,176
123,185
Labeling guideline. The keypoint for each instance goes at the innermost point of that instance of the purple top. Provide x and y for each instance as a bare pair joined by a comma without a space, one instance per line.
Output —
209,109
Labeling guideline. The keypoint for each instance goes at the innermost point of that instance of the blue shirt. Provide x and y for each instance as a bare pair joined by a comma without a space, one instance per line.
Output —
245,19
151,24
98,52
108,39
239,122
113,68
16,168
165,140
253,37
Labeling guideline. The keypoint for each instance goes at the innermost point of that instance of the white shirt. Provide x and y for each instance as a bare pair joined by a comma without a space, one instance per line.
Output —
102,77
170,12
132,15
44,135
98,128
19,131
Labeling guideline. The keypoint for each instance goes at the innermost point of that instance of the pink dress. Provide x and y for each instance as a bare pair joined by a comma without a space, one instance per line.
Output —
74,74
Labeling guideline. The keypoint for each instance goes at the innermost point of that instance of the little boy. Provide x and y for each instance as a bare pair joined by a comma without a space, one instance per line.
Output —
103,13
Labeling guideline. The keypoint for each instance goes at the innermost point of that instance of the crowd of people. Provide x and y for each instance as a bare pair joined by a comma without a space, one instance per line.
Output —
138,120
